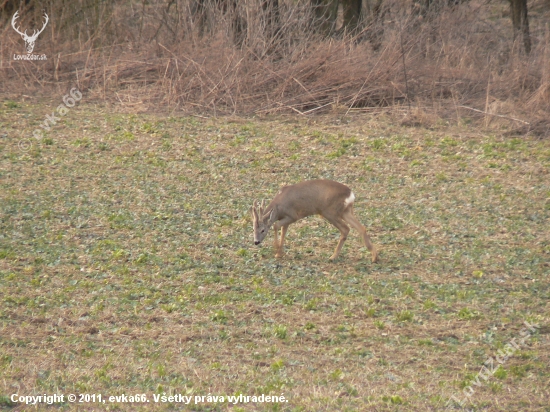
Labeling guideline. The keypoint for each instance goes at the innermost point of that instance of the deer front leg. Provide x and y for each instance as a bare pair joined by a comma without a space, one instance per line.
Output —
282,242
276,240
283,225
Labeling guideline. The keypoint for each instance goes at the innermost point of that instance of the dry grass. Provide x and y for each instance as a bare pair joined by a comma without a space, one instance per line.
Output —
127,264
156,56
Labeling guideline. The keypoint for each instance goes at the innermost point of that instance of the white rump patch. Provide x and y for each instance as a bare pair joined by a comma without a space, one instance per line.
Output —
349,200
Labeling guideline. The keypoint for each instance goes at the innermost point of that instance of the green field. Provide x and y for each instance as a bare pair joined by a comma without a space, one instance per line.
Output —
127,264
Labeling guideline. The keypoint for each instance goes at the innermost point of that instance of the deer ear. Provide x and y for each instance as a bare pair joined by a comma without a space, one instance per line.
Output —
272,214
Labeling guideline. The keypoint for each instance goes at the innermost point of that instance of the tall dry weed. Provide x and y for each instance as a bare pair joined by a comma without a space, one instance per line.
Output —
225,59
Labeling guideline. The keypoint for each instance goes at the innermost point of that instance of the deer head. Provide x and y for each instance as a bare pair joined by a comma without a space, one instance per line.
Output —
261,222
29,40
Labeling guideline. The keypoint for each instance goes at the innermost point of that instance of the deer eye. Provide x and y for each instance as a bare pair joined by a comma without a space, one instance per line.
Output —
263,230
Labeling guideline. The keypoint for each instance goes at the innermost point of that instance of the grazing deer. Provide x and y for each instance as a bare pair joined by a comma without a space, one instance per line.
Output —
332,200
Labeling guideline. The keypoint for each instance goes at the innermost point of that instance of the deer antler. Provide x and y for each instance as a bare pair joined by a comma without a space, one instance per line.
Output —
24,34
43,27
15,17
35,35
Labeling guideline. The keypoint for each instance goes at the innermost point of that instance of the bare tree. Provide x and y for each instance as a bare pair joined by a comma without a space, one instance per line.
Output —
203,11
425,8
8,7
373,14
520,22
325,13
271,16
351,14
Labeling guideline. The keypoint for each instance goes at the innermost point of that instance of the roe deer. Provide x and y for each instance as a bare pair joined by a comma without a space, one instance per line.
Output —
330,199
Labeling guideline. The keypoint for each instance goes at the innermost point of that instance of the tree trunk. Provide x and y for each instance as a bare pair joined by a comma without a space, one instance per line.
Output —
520,22
271,17
325,13
421,7
352,14
203,10
374,19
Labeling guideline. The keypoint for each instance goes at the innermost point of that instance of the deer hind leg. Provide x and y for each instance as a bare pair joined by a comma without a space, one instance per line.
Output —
350,218
344,230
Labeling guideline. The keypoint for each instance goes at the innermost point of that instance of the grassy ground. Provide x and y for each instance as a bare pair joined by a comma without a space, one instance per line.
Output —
127,264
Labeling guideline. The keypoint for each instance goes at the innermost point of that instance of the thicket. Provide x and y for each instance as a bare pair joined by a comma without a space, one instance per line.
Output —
231,57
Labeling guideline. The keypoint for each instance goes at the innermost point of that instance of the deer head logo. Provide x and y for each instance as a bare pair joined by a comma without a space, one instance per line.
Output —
29,40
